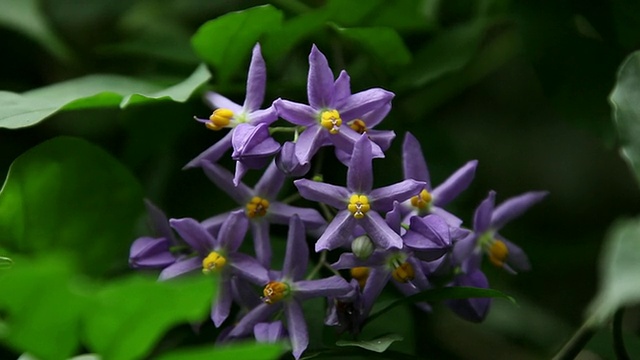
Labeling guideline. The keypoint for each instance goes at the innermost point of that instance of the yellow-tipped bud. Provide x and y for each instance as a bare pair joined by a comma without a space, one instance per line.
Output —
361,274
498,253
275,291
403,273
358,205
213,262
330,120
421,200
219,119
257,207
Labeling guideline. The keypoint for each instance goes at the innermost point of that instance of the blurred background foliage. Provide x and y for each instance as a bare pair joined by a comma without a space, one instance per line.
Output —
522,86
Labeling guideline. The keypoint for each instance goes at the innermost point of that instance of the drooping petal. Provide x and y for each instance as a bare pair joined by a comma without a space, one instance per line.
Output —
451,219
377,280
296,257
338,233
359,104
514,207
383,138
280,213
159,221
270,183
233,230
258,314
482,216
256,81
216,101
360,173
394,217
346,138
517,259
455,184
341,90
336,196
475,309
224,180
382,198
269,333
413,163
181,267
320,80
148,252
194,234
213,153
464,249
222,305
327,287
248,268
296,113
297,327
251,141
261,241
373,118
310,140
379,231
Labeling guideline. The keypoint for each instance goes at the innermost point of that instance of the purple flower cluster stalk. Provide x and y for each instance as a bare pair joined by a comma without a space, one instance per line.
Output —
398,233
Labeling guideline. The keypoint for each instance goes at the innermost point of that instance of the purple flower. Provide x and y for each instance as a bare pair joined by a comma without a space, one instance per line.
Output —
249,135
154,252
259,206
217,255
288,162
270,332
472,309
286,290
359,205
431,237
331,106
488,220
429,199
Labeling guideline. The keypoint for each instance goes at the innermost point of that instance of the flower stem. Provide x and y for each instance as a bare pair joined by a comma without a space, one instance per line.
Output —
291,198
577,342
618,341
321,262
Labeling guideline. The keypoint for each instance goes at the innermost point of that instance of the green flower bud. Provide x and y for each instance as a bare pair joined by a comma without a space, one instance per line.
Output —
362,247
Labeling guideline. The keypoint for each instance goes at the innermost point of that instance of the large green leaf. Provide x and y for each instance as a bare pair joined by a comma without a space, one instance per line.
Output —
93,91
246,351
382,42
379,344
128,317
619,271
226,42
66,194
625,100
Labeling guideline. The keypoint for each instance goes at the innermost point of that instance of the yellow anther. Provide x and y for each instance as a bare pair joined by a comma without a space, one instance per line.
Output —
360,273
359,126
358,205
498,253
330,120
219,119
403,273
275,291
213,262
257,207
422,200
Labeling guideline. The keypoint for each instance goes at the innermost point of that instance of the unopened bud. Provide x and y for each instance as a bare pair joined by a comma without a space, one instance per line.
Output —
288,163
362,247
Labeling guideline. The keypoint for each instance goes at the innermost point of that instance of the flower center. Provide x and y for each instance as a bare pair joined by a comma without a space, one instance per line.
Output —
498,253
360,273
213,262
422,200
257,207
219,119
358,205
359,126
403,272
275,291
330,120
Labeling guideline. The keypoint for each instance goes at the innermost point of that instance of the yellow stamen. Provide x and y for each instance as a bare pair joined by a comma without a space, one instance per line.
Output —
498,253
257,207
360,273
219,119
359,126
275,291
422,200
213,262
403,273
358,205
330,120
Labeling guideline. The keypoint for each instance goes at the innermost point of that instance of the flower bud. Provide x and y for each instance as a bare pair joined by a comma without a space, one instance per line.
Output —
288,163
362,247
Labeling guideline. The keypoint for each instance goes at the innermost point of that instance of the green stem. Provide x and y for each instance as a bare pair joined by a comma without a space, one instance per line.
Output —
291,198
321,262
577,342
618,341
277,129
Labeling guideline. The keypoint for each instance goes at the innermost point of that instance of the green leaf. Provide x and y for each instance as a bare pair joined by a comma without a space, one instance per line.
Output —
43,310
626,110
128,317
619,271
27,17
282,39
378,345
384,43
5,262
93,91
66,194
441,294
225,42
236,351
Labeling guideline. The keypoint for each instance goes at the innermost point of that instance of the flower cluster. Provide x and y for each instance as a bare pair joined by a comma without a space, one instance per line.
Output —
400,233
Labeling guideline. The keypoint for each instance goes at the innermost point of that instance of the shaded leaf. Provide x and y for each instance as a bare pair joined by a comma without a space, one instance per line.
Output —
384,43
625,101
226,42
236,351
93,91
619,271
378,345
66,194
